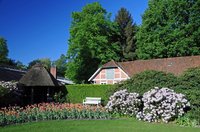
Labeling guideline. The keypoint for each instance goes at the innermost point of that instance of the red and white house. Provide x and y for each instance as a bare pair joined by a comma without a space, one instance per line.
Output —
114,72
109,73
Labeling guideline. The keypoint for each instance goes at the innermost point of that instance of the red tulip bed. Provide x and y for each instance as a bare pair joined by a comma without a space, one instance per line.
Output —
50,111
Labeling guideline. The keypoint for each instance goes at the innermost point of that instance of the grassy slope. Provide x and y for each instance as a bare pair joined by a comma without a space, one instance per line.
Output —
96,126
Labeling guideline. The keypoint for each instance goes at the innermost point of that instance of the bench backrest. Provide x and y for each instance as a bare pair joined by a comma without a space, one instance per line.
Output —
92,99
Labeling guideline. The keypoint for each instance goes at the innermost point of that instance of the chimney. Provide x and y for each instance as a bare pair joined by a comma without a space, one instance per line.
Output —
53,71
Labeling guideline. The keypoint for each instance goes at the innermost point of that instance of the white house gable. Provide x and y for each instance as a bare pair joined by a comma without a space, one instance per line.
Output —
109,76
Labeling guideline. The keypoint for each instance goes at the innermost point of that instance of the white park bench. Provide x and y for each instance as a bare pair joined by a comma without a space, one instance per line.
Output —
92,100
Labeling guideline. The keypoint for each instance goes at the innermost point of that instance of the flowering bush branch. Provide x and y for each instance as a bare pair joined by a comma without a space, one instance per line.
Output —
9,85
158,104
162,104
124,102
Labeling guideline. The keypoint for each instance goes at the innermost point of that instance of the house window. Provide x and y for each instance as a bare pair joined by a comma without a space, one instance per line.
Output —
109,73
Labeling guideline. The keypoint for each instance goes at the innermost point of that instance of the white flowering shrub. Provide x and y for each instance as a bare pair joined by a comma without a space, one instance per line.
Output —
124,102
9,85
162,104
10,94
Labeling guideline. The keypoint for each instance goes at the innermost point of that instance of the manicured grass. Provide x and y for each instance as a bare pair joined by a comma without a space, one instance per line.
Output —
124,125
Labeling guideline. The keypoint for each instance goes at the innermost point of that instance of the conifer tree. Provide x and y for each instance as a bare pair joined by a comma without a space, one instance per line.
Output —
127,30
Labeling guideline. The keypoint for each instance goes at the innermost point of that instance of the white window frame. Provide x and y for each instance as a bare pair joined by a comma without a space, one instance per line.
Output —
113,76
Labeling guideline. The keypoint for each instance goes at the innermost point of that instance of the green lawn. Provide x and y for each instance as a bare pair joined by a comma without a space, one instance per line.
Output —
125,125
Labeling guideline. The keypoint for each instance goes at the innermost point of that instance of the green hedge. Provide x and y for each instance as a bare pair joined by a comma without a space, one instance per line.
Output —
76,93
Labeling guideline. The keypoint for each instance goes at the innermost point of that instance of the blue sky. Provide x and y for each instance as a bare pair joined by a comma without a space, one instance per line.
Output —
40,28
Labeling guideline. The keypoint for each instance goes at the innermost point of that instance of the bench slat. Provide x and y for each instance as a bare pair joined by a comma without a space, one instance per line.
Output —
92,100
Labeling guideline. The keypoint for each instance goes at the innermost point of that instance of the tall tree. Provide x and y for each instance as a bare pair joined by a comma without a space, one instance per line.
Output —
90,42
20,65
45,61
3,51
61,65
127,34
16,64
169,28
33,62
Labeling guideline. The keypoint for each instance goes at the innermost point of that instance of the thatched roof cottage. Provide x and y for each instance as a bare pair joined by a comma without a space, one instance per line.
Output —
39,85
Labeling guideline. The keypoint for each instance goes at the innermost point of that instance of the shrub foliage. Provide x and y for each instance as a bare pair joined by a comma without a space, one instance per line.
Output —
146,80
189,84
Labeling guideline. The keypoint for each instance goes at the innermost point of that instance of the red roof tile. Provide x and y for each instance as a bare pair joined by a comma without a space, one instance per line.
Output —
110,64
174,65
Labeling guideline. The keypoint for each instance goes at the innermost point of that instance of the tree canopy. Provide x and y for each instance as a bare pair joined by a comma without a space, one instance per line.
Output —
91,42
45,61
15,64
3,51
170,28
126,37
61,65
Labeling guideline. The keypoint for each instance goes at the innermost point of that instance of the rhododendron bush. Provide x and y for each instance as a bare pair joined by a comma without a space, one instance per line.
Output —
10,94
7,87
162,104
124,102
157,104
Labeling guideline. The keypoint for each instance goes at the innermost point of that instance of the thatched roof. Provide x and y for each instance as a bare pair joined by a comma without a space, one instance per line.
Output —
38,76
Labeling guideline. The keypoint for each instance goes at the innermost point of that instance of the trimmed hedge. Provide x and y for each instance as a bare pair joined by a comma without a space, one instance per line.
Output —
78,92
